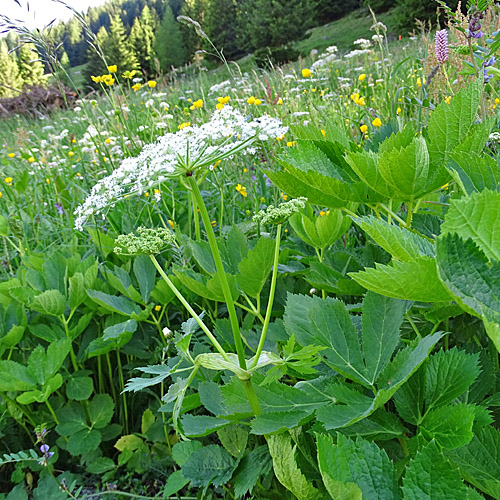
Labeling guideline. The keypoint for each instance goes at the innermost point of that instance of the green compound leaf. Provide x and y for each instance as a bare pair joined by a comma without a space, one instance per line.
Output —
252,466
286,469
101,410
431,477
417,280
113,303
479,461
209,465
145,272
356,469
255,267
476,217
79,388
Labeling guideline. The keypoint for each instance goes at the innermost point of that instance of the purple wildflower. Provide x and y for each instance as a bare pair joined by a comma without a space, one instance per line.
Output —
59,208
474,30
490,62
46,454
441,46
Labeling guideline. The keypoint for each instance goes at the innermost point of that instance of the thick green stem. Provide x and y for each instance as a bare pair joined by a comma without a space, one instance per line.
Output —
272,291
252,397
233,318
191,311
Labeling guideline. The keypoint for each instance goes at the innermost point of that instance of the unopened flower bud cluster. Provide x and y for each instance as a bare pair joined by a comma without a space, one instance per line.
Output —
279,214
146,242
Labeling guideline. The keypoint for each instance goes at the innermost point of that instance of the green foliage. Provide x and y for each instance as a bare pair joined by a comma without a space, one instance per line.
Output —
169,45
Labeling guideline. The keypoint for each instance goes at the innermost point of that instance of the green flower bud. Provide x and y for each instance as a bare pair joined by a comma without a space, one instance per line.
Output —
279,214
146,242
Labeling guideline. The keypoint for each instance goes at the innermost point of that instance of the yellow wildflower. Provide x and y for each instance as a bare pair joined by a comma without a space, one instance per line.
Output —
258,102
291,143
11,155
136,87
171,222
71,153
157,308
184,125
8,180
112,69
242,190
362,77
31,159
323,132
377,123
363,128
306,72
129,74
448,99
398,111
97,79
280,101
152,84
251,100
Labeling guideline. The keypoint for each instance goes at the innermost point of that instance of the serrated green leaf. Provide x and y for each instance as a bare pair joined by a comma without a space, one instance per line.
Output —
409,400
416,280
51,302
354,468
429,476
209,465
479,461
175,482
475,217
448,375
76,290
450,426
252,466
234,438
15,377
364,163
202,425
182,450
255,267
401,243
474,172
286,470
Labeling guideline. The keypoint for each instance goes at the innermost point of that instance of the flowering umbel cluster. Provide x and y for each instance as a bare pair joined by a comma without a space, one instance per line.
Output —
441,46
146,242
279,214
188,151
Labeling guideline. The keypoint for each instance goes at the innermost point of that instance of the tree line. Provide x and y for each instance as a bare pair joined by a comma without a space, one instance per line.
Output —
144,35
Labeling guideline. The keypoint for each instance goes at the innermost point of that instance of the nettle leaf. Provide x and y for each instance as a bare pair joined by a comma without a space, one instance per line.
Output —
409,400
356,469
380,426
450,426
400,242
251,467
234,439
364,163
479,461
475,217
255,267
474,172
448,374
417,280
430,476
286,469
182,450
209,465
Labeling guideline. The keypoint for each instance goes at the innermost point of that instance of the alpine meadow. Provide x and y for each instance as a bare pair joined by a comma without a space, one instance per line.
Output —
250,250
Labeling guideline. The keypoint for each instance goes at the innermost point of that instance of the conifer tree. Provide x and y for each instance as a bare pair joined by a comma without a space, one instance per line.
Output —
95,65
220,26
31,68
195,9
169,47
9,71
118,48
142,37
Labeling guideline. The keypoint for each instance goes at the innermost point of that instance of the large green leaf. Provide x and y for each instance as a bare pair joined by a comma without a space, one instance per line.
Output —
400,242
45,364
431,477
450,426
255,267
474,172
118,304
145,272
416,280
209,465
479,461
287,471
448,374
254,465
364,163
356,469
476,217
51,302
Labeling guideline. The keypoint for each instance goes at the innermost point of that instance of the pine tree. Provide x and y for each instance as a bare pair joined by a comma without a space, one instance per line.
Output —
9,71
169,47
220,26
31,68
195,9
142,37
95,65
117,48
